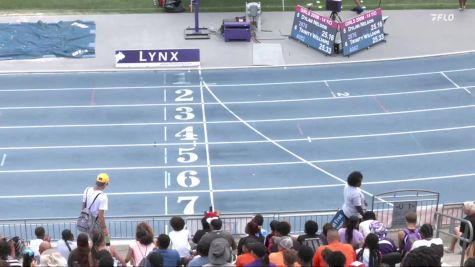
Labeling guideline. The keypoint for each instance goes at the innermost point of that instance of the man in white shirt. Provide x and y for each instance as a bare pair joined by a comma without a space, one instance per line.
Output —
354,201
96,199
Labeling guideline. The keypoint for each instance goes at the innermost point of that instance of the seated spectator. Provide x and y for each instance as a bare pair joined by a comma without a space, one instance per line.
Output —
200,232
6,253
154,260
334,245
253,235
468,208
408,235
105,259
29,258
305,256
283,229
350,234
368,218
369,254
52,258
179,238
259,219
40,237
66,244
419,257
200,259
269,238
216,225
98,244
171,257
333,258
290,258
470,252
470,262
310,239
261,258
246,257
45,245
427,234
143,244
323,236
79,257
386,245
219,253
277,258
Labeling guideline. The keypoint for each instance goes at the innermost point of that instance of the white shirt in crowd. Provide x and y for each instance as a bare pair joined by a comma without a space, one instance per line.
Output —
426,243
179,242
352,197
364,227
63,249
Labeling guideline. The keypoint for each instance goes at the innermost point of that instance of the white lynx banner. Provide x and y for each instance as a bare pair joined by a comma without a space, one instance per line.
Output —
157,58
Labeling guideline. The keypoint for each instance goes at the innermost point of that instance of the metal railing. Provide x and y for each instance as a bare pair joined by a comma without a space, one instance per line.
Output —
124,227
467,236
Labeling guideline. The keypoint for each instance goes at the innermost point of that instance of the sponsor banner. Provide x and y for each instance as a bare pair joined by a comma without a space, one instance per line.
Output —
362,32
314,30
157,58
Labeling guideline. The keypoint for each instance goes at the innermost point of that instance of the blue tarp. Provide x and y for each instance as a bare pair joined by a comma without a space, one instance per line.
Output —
73,39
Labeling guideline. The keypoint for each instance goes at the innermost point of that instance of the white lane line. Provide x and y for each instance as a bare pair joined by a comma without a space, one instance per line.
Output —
3,159
165,133
165,113
331,91
455,84
95,88
239,102
277,144
284,188
341,80
165,178
169,180
205,130
309,139
165,95
260,164
250,120
166,206
165,152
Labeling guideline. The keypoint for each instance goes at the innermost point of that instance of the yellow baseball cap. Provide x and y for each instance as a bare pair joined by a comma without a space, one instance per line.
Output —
103,178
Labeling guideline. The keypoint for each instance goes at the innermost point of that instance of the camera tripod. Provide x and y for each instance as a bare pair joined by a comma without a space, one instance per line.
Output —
335,17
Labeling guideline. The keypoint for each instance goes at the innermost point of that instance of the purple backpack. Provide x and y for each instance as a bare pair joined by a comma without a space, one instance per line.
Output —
409,238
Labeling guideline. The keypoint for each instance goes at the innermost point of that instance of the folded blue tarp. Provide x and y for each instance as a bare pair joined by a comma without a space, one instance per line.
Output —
73,39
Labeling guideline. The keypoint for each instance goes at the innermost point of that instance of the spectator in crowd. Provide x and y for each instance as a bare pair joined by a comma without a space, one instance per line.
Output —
179,238
98,244
354,201
216,225
29,258
79,257
282,229
385,244
171,257
358,8
40,237
44,246
334,245
219,253
253,235
310,238
259,252
52,258
408,235
277,258
105,259
333,258
269,238
200,259
368,218
427,240
200,232
290,258
305,256
18,245
462,4
6,253
323,236
246,256
154,260
468,208
96,200
369,254
259,219
143,244
470,252
470,262
66,244
350,234
421,257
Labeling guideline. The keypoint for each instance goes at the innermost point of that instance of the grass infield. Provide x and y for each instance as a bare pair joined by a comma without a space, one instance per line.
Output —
149,6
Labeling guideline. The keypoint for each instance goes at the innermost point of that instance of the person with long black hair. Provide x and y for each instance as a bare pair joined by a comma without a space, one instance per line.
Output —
350,234
370,254
259,252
